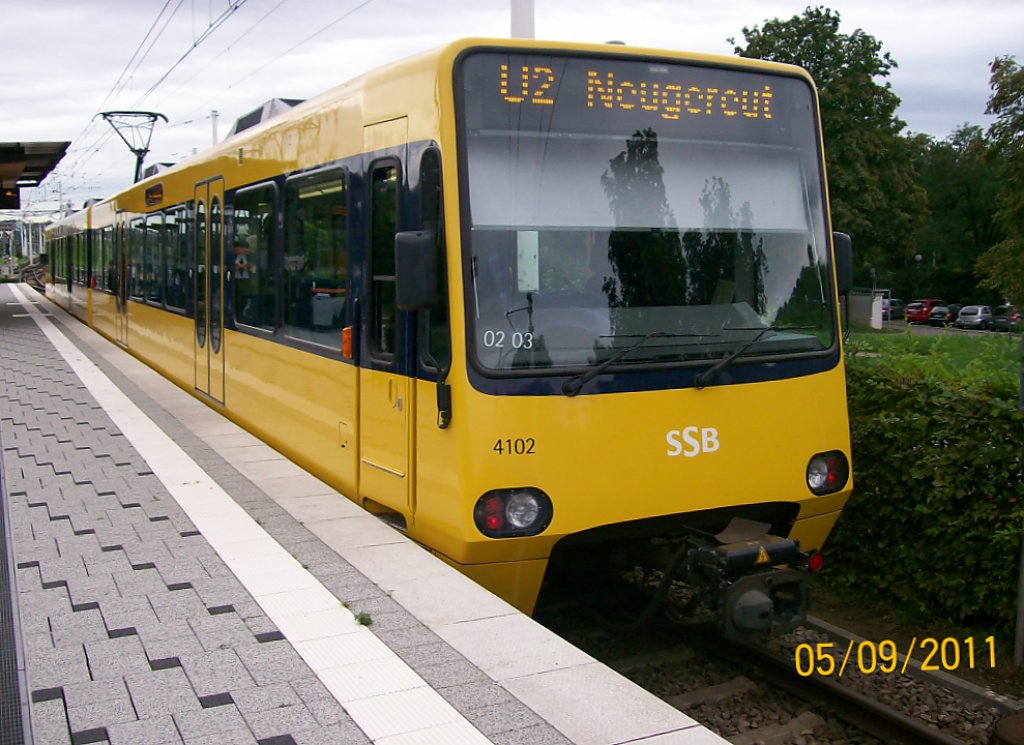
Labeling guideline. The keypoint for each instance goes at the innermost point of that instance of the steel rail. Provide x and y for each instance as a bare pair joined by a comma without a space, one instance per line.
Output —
853,707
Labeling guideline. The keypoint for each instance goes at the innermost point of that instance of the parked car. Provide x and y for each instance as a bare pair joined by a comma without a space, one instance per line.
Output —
974,317
943,315
892,309
1006,318
919,310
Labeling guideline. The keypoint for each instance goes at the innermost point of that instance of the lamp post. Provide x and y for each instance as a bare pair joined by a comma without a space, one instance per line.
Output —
1018,641
522,19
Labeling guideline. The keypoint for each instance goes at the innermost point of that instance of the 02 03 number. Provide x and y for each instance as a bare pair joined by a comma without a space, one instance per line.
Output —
499,339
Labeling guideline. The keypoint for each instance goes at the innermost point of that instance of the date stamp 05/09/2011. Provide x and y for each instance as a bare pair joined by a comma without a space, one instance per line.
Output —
948,654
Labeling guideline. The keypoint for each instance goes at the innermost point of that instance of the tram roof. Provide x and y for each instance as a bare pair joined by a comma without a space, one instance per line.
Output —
26,164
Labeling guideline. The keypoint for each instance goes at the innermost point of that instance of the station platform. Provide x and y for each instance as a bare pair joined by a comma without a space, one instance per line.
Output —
167,578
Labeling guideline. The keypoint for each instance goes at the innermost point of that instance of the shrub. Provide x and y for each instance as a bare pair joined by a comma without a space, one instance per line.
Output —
937,514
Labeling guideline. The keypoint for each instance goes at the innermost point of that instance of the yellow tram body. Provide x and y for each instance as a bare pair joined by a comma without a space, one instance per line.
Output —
367,419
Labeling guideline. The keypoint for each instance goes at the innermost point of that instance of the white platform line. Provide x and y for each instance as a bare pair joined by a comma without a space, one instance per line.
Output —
383,695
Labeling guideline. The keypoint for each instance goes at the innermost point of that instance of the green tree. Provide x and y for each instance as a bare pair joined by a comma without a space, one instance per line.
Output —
1002,266
873,187
959,176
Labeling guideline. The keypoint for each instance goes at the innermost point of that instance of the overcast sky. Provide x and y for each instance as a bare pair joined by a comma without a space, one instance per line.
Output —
67,60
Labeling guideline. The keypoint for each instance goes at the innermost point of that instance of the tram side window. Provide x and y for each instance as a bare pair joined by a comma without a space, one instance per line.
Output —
383,322
105,259
53,251
56,251
152,257
65,258
92,257
252,260
438,336
316,258
83,258
136,242
176,263
78,258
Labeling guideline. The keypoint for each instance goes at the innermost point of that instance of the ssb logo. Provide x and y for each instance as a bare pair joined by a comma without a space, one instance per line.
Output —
691,441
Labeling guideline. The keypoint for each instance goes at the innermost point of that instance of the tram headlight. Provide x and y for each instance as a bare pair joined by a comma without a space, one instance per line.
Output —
510,513
828,472
522,510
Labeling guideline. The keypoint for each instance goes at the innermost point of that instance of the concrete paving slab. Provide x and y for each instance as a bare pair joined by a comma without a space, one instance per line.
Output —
124,542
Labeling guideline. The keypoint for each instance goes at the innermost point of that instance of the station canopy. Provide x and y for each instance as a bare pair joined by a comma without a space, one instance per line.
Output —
24,165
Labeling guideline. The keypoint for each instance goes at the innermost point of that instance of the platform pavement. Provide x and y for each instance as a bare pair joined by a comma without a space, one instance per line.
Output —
136,626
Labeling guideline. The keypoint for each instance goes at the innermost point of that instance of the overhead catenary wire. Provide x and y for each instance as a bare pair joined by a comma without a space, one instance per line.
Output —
126,73
233,7
216,23
283,54
123,78
220,54
97,142
84,155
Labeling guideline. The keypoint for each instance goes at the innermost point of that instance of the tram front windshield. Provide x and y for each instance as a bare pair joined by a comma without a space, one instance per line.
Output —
613,203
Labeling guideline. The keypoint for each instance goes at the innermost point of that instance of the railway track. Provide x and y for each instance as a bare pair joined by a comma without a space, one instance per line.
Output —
861,711
751,694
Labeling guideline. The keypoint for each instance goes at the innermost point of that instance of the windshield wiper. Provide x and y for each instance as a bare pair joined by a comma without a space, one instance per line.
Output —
708,376
573,385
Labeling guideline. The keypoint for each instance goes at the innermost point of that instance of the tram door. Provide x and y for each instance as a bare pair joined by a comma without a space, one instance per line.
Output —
386,408
208,284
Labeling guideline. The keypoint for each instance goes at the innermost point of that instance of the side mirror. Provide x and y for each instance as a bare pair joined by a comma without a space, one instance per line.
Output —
843,251
415,270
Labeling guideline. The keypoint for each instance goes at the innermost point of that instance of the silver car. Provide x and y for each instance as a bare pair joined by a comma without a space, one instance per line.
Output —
892,309
974,317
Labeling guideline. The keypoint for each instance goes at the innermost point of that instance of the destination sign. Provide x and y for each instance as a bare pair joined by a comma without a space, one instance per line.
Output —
579,96
670,96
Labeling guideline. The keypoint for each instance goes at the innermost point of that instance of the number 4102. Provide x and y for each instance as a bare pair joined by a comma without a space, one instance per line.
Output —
515,446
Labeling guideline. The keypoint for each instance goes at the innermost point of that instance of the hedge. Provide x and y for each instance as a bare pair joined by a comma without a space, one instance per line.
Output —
937,514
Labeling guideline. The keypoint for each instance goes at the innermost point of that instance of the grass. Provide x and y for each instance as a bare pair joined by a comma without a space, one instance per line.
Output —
952,354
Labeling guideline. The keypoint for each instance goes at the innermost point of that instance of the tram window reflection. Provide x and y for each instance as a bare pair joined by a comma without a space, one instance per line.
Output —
251,263
316,258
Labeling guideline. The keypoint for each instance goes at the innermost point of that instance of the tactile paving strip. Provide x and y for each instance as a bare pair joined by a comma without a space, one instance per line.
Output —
11,725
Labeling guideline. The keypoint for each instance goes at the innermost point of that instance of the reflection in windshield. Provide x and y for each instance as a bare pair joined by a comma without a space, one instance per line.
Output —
648,267
661,266
583,243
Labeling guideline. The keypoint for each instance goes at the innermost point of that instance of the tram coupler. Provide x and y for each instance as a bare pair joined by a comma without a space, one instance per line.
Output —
766,603
756,591
766,551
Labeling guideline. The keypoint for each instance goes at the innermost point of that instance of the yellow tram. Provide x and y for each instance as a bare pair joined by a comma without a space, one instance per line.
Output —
543,306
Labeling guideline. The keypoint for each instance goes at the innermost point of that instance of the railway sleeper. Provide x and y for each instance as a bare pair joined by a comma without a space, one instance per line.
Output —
628,665
782,734
734,688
